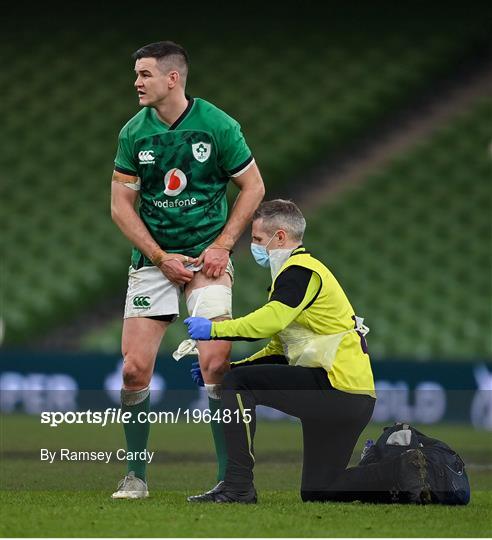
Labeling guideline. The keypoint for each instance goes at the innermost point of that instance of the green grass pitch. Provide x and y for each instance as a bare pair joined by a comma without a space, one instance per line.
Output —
73,499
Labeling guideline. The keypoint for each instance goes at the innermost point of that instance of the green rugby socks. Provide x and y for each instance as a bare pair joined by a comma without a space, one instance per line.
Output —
136,433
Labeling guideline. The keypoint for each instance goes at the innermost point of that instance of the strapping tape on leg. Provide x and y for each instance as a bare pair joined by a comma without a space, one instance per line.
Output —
134,397
209,302
214,391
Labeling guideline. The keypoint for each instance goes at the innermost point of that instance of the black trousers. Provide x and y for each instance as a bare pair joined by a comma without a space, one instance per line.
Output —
332,421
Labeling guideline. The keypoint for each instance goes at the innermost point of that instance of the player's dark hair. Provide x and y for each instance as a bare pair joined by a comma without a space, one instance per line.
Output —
281,214
162,50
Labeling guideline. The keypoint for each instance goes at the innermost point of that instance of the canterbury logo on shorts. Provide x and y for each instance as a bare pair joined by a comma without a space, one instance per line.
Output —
141,302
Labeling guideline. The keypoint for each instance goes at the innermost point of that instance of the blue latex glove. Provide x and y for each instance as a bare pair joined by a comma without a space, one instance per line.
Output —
198,327
196,374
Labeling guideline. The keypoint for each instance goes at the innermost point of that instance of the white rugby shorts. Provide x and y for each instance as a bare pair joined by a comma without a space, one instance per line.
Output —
151,294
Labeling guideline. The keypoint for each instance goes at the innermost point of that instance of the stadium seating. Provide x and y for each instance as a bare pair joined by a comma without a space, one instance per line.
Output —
411,246
63,252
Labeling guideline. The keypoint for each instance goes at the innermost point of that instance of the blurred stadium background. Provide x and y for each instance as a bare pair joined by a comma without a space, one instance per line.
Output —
407,233
378,124
377,120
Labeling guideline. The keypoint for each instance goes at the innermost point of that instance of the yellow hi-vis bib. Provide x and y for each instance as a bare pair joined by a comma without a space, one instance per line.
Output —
325,334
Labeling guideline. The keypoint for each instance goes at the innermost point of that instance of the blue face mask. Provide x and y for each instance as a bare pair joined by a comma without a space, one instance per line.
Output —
260,253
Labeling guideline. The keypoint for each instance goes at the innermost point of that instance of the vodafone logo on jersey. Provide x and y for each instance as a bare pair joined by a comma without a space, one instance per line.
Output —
175,182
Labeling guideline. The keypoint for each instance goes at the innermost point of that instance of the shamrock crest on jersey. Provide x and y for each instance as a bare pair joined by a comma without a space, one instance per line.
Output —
201,151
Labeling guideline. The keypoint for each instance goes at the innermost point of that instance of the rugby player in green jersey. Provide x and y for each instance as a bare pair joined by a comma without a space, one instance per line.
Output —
174,161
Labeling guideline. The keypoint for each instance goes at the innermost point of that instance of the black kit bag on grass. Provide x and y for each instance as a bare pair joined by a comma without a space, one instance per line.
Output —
420,469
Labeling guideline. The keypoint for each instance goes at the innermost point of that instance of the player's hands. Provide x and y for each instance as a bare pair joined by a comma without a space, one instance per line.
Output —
172,266
214,259
199,327
196,374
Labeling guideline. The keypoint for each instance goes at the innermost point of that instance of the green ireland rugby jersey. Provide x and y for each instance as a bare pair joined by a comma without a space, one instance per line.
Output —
183,170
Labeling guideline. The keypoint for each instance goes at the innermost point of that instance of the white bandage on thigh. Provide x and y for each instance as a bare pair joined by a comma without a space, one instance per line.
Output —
210,302
134,397
214,391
